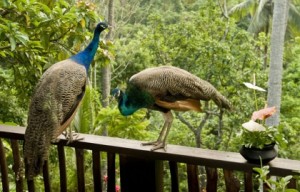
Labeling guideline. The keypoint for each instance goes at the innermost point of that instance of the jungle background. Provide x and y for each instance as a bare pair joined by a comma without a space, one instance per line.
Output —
224,42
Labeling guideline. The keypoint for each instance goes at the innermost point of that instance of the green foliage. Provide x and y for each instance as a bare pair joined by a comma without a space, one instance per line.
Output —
274,185
258,139
291,100
34,35
84,121
132,127
212,48
189,34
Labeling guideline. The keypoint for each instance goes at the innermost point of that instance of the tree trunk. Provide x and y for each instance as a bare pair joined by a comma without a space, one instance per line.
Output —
276,58
106,69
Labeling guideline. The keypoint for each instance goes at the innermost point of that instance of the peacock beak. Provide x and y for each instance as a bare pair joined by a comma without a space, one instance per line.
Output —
116,93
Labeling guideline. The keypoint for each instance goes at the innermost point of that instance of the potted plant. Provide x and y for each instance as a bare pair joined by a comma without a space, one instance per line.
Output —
259,140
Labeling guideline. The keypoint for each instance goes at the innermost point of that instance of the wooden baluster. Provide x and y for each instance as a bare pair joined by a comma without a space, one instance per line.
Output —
62,168
232,183
174,176
3,168
140,174
212,179
111,172
193,182
17,167
30,185
97,170
80,169
47,184
292,184
248,182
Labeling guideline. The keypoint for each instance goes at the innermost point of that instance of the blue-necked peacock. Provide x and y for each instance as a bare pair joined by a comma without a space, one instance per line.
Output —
164,89
54,103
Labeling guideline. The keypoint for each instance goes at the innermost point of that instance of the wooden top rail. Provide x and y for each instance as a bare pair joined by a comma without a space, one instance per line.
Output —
189,155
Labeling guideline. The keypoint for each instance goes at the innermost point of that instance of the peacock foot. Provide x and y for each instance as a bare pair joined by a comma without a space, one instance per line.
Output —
157,145
72,136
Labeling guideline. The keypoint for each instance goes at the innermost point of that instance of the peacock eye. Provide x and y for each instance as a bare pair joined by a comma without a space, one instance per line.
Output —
118,93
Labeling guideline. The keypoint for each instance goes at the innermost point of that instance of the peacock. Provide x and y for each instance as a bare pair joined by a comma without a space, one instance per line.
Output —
54,103
163,89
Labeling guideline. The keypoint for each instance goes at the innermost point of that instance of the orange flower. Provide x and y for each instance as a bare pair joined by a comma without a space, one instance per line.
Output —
263,113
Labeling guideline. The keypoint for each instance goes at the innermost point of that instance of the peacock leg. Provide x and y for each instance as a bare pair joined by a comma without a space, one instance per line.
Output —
160,143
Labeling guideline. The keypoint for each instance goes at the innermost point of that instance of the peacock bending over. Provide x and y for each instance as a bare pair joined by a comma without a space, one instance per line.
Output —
54,104
164,89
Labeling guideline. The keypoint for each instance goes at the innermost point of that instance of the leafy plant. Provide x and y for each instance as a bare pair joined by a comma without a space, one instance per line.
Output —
257,135
274,185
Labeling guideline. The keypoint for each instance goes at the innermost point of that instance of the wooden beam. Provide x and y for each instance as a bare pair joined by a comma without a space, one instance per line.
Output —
189,155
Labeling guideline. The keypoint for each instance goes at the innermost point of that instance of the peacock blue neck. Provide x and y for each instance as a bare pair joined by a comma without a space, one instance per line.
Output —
125,105
134,99
86,56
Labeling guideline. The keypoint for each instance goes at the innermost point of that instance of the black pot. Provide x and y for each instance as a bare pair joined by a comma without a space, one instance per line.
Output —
258,156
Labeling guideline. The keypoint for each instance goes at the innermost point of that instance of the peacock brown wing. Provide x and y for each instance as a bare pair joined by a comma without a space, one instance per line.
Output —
52,108
171,84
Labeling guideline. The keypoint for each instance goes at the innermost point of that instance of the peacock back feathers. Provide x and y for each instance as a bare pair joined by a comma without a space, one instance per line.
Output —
171,84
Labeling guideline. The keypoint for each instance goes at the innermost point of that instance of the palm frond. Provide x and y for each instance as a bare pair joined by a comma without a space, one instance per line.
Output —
294,17
85,117
261,17
242,7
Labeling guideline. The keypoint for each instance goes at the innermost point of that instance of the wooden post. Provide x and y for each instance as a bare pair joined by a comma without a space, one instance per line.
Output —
248,182
80,169
174,176
141,174
111,172
3,168
292,184
232,183
192,174
97,170
62,168
17,167
46,177
212,179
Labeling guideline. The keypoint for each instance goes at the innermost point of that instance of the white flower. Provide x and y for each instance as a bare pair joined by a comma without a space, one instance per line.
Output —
253,126
251,86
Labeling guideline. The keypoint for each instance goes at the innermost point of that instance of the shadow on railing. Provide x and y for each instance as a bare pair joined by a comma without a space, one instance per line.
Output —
140,168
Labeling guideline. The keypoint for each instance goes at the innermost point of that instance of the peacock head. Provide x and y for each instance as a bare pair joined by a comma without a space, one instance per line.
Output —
117,93
101,26
124,105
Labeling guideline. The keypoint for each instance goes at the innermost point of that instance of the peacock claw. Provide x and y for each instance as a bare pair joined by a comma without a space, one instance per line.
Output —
72,137
156,145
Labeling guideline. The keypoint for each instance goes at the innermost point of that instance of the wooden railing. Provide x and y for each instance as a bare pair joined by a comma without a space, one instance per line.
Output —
140,168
